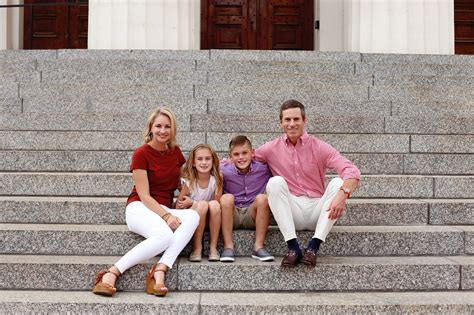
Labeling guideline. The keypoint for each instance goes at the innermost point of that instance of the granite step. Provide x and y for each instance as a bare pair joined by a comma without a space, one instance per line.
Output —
283,67
73,239
433,109
438,93
119,161
417,59
118,184
342,274
424,69
443,302
100,210
283,55
413,81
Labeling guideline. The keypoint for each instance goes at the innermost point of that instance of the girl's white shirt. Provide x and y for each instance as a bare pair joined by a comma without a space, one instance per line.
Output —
197,193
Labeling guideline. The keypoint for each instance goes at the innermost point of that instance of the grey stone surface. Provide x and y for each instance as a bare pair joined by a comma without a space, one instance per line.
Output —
284,55
436,82
105,92
439,164
291,67
85,140
8,90
140,105
377,163
349,143
449,70
68,239
62,161
384,212
337,303
451,212
263,123
120,71
26,54
446,93
84,121
19,71
410,108
99,210
341,274
425,125
314,107
467,271
10,105
71,273
309,90
64,184
56,302
418,59
139,54
442,144
393,186
287,79
469,240
454,187
67,210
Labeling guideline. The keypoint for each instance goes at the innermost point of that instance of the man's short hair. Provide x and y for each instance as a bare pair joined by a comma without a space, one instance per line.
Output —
292,104
239,140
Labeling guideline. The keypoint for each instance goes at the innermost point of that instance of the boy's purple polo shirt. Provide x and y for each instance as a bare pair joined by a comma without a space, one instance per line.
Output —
245,187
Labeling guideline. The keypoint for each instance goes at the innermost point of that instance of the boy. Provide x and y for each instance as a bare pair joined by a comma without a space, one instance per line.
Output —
244,204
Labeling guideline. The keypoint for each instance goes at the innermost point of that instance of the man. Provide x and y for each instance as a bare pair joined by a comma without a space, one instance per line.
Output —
296,194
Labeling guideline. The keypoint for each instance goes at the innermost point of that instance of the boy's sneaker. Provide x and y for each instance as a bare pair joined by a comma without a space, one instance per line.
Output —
227,255
262,255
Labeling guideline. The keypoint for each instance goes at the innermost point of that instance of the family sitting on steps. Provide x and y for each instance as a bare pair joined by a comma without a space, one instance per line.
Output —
285,176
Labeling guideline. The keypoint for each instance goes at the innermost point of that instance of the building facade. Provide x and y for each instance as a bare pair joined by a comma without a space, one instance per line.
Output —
369,26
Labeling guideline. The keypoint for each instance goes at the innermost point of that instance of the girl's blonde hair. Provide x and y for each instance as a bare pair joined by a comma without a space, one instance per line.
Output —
190,172
148,136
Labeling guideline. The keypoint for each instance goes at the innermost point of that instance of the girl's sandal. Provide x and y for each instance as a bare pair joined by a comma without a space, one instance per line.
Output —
102,288
158,289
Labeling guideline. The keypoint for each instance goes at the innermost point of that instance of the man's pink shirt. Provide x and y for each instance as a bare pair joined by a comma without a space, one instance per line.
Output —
304,165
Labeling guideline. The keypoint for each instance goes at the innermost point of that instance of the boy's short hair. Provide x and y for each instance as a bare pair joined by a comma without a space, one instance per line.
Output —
292,104
239,140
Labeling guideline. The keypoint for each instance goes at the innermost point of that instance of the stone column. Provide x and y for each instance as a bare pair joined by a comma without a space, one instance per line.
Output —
400,26
11,26
144,24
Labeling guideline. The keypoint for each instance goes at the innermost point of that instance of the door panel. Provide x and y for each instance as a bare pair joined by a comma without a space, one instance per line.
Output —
464,26
55,27
257,24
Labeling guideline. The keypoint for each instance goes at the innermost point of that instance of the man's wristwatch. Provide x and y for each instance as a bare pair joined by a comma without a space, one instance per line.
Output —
346,190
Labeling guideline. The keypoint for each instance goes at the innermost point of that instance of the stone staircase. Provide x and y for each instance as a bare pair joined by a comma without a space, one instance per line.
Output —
69,120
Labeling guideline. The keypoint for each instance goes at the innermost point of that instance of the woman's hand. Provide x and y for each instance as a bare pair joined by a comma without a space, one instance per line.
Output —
184,203
173,222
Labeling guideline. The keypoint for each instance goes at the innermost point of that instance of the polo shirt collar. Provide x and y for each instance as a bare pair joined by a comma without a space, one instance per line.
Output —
252,162
303,139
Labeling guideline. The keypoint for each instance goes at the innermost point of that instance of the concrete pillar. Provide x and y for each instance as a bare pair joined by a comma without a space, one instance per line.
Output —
144,24
11,26
400,26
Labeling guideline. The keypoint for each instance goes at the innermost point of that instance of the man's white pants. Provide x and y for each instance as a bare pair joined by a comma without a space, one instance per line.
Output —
294,213
159,236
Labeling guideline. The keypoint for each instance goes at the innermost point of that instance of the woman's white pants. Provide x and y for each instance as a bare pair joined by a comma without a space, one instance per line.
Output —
159,236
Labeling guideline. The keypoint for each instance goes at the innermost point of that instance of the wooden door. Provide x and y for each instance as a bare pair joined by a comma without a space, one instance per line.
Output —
464,26
59,26
257,24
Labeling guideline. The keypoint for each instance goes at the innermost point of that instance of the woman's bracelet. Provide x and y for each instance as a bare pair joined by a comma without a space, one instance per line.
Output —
166,216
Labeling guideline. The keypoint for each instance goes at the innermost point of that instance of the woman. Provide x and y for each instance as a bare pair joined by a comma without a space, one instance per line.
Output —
156,173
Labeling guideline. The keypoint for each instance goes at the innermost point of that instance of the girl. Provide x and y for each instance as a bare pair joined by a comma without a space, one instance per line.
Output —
201,191
155,171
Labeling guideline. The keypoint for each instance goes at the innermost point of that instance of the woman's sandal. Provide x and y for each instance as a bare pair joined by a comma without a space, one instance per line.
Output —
158,289
102,288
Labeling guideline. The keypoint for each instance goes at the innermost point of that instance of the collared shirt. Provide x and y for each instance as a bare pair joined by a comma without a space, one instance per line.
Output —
245,187
304,165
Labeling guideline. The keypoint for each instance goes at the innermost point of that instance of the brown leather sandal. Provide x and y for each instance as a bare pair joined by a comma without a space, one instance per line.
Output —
102,288
158,289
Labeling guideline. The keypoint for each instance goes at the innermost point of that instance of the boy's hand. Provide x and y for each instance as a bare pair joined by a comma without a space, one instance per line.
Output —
184,203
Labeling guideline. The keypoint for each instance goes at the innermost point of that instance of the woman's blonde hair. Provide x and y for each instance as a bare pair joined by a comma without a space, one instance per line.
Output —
190,172
148,136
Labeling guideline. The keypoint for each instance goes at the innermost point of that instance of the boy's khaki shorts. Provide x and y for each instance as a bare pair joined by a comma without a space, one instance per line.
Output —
243,218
